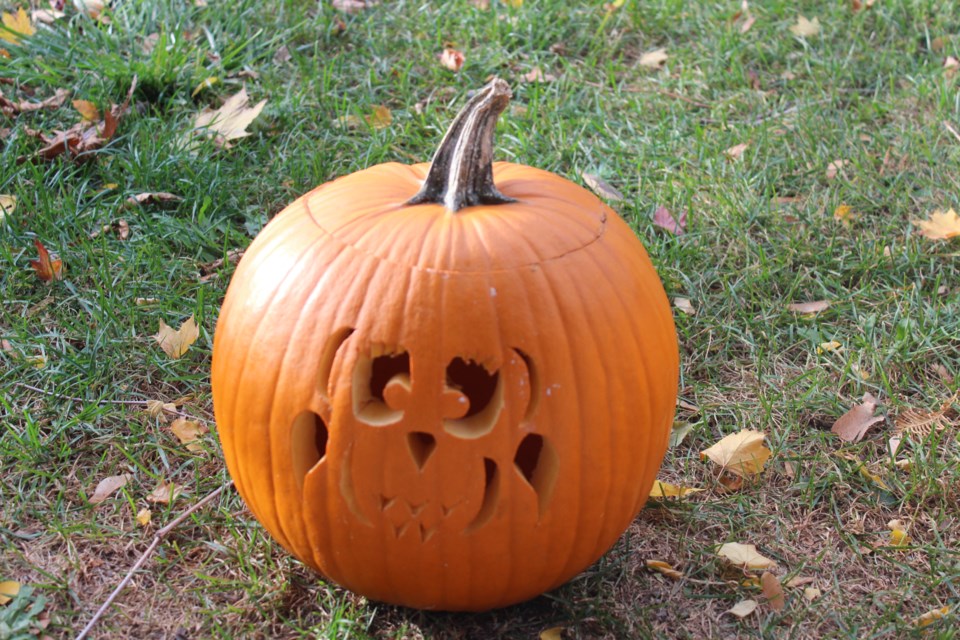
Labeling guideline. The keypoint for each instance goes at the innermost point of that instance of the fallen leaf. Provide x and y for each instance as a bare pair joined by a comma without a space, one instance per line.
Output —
10,108
799,581
8,588
950,66
942,225
809,307
17,26
805,28
46,267
920,622
772,591
107,486
920,423
121,227
873,477
664,219
747,23
745,556
87,110
155,408
666,490
151,197
230,121
743,608
844,214
165,493
742,454
684,304
176,343
854,424
654,59
209,268
92,8
143,517
516,4
380,117
282,55
452,59
188,432
811,593
206,84
665,568
834,168
600,187
351,6
898,533
537,75
553,633
679,432
46,16
833,345
736,151
8,204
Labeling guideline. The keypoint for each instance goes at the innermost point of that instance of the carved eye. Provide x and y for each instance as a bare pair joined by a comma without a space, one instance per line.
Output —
483,392
375,381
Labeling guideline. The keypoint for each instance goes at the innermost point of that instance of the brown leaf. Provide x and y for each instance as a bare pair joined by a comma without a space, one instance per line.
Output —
736,151
920,423
942,225
809,307
452,59
834,168
380,118
230,121
282,55
537,75
600,187
47,268
188,432
151,197
107,486
854,424
745,556
165,493
233,257
664,219
156,408
176,343
120,227
653,59
772,591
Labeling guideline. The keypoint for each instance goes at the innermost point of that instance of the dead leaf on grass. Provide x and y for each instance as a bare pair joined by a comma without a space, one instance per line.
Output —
46,16
380,118
805,28
844,214
107,486
230,121
601,187
811,593
537,75
207,269
156,408
920,423
665,568
553,633
188,432
679,432
772,591
87,110
834,168
898,533
48,268
8,204
282,55
743,608
206,84
17,26
930,617
809,308
742,454
745,556
352,6
151,197
684,304
662,489
665,220
92,8
144,516
452,59
942,225
121,227
654,59
175,343
736,151
854,424
165,493
8,591
832,346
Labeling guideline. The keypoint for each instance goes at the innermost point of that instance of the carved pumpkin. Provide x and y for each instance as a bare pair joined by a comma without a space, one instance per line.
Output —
446,386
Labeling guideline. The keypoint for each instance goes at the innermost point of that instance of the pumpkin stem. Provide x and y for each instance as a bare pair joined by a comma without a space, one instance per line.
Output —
461,173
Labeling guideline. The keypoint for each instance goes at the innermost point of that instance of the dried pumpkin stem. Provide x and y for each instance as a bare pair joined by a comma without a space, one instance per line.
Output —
461,173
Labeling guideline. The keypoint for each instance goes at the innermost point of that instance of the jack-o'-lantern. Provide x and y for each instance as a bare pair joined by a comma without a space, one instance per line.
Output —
446,386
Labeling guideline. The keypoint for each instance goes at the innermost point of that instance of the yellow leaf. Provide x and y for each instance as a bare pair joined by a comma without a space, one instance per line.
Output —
206,84
745,555
874,478
231,120
898,534
553,633
380,118
743,608
926,619
188,432
833,345
165,493
143,517
176,343
740,453
772,591
665,568
87,110
844,214
654,59
854,424
17,25
8,588
516,4
8,204
805,28
667,490
942,225
107,486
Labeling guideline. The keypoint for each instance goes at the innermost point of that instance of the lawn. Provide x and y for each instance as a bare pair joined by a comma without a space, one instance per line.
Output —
801,167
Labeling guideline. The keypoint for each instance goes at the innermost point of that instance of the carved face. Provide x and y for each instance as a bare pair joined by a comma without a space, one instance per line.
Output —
424,447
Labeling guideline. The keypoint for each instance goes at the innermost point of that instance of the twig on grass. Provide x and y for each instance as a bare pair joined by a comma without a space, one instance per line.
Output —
182,414
157,538
949,127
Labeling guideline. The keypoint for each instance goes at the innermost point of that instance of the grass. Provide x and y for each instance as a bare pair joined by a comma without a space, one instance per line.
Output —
870,90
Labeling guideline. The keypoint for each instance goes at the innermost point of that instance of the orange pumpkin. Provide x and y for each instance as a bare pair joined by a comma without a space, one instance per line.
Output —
446,386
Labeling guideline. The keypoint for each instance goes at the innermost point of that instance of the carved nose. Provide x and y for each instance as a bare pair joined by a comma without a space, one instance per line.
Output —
421,445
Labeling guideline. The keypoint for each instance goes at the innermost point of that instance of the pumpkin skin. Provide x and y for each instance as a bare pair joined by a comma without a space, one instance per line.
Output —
445,410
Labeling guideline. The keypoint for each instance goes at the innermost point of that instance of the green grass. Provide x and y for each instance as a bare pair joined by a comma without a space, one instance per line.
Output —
870,90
